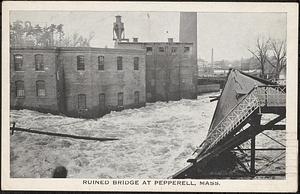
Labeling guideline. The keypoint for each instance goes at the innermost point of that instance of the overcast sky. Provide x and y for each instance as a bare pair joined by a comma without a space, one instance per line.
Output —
230,34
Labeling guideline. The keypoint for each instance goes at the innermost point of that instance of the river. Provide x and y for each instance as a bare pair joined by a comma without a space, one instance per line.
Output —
155,141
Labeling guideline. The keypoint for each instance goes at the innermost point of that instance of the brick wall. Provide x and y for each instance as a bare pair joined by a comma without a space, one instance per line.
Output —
110,81
29,75
169,76
64,82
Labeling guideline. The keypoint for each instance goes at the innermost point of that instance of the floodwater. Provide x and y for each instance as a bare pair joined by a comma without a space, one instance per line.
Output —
154,141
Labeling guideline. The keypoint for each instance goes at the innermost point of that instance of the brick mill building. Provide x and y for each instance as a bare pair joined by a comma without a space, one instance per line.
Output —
90,82
85,82
170,72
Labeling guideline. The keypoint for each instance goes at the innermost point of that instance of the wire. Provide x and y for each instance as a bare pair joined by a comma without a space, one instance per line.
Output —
273,139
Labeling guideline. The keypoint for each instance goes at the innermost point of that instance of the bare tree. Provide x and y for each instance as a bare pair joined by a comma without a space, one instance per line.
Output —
278,48
261,53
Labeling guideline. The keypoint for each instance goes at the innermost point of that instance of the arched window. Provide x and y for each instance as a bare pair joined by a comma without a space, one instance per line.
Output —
80,62
40,88
18,62
81,101
20,92
39,62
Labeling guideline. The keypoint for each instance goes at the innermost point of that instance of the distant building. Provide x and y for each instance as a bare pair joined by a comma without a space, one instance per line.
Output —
85,82
171,67
170,71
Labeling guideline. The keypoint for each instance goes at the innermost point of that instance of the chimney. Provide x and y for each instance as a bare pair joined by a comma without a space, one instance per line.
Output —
170,40
135,39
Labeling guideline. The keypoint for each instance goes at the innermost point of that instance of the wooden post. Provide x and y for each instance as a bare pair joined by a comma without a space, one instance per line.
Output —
256,124
252,165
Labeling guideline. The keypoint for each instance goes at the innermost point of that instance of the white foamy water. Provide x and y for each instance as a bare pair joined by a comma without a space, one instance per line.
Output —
154,141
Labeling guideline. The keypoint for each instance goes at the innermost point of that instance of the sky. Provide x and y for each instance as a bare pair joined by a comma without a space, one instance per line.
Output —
229,34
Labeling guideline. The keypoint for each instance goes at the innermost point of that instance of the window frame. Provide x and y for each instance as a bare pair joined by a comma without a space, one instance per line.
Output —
101,63
149,52
21,89
39,83
80,100
102,103
186,51
80,63
119,63
136,62
174,50
136,97
39,66
120,94
161,49
19,65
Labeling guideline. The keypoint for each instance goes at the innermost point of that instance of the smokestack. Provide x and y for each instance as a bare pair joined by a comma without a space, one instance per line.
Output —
188,30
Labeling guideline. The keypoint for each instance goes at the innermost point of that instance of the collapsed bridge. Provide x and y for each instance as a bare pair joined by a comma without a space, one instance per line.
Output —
237,119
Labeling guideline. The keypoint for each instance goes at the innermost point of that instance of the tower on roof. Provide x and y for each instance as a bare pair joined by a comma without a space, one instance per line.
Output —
119,30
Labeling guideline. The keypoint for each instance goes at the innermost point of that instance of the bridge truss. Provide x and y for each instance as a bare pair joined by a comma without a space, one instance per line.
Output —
238,129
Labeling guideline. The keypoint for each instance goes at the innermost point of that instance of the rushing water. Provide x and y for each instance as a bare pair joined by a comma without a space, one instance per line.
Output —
154,141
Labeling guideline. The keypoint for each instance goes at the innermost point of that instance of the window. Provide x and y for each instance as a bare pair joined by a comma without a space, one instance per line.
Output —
39,62
81,101
186,50
40,88
161,49
80,62
136,97
136,63
120,99
148,50
20,89
102,100
174,50
119,63
18,62
101,63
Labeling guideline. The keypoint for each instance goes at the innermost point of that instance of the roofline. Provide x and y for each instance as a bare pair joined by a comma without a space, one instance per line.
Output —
80,49
155,43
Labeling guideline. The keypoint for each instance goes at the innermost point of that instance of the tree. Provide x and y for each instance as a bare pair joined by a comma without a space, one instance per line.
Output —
17,32
24,34
261,53
278,48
